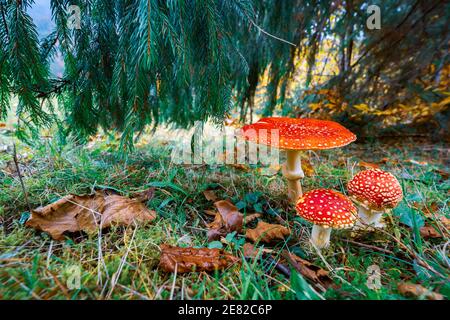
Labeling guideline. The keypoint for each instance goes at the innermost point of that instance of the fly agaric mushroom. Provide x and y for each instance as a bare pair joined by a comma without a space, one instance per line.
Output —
296,135
374,191
326,209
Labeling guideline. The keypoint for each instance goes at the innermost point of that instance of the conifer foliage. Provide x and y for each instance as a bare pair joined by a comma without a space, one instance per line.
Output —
134,63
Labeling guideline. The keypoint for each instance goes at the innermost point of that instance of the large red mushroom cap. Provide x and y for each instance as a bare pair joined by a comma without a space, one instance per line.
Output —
376,188
299,134
327,208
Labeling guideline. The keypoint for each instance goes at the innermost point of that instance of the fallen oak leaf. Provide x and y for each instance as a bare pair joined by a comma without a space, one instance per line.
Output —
87,213
411,290
266,232
185,260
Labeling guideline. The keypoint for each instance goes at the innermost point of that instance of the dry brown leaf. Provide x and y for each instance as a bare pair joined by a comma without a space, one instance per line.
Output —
86,213
191,259
144,196
124,211
210,195
2,125
249,250
210,212
216,228
266,232
227,219
368,165
429,210
309,270
411,290
428,231
251,217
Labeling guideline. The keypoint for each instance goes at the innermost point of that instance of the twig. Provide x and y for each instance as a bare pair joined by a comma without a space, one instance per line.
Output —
144,297
16,162
368,246
419,260
280,267
268,34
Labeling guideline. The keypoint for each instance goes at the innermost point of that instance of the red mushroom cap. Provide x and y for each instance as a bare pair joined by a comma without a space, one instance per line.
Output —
299,134
327,208
376,188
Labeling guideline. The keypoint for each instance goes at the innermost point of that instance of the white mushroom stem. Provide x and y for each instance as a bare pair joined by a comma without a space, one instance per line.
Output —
369,217
292,171
320,236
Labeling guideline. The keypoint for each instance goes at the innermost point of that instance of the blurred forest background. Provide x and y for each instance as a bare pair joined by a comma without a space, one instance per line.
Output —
135,64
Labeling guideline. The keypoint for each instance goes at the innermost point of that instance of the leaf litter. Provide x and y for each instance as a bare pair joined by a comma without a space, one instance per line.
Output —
87,213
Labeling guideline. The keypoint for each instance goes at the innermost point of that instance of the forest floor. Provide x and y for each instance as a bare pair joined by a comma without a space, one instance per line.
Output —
123,263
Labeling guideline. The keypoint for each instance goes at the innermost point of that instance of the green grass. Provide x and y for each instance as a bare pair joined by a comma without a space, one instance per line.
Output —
32,266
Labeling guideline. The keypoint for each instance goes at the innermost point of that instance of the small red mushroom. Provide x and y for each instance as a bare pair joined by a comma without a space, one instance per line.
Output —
374,191
296,135
326,209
